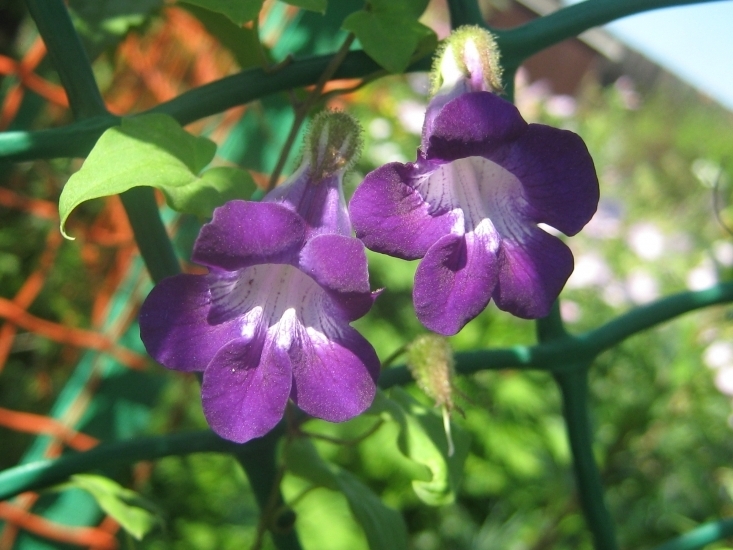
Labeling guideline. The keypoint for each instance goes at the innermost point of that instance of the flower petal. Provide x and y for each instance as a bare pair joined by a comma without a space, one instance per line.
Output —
389,216
246,233
454,281
339,265
246,388
336,262
334,371
321,204
532,273
557,175
174,326
473,124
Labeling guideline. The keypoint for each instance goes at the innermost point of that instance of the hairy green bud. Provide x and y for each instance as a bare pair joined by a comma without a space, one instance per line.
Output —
470,54
333,143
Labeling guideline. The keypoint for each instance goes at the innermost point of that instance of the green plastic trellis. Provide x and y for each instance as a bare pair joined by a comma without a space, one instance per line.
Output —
567,357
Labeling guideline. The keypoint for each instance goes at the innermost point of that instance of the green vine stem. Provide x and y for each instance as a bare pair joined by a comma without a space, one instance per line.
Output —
464,12
574,388
573,385
72,64
520,43
552,356
76,139
701,536
151,236
68,57
45,473
264,478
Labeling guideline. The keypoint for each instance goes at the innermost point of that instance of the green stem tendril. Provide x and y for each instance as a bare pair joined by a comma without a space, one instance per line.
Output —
574,388
302,110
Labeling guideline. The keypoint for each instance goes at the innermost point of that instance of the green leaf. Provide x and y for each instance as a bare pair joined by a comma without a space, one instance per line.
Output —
423,440
215,187
311,5
154,150
239,11
388,37
103,23
383,526
410,8
128,508
241,41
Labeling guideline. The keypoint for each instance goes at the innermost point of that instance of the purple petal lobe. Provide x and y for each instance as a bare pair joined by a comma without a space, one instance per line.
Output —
391,217
455,280
558,176
245,388
245,233
334,370
174,325
320,203
336,262
475,123
532,273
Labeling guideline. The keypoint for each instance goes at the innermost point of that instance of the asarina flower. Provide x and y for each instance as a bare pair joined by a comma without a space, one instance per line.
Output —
270,321
470,204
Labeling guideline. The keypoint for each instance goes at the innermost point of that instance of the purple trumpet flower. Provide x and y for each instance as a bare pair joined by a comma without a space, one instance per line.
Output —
470,204
270,321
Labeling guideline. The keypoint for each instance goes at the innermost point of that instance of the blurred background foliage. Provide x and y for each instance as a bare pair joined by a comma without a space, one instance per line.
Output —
661,401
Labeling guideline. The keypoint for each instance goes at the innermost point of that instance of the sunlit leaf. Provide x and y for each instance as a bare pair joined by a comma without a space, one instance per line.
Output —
239,11
241,41
423,440
125,506
383,526
103,23
311,5
154,150
390,38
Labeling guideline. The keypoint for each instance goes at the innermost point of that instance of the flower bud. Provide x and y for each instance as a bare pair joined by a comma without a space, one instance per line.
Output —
430,360
333,144
469,56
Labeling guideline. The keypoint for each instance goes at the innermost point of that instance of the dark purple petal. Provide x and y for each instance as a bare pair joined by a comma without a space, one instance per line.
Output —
473,124
532,273
174,326
246,388
454,281
320,203
334,371
558,176
246,233
336,262
392,218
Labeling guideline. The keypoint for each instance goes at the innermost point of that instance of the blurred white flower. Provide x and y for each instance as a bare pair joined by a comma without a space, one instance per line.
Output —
590,270
419,82
723,252
570,311
703,276
724,380
627,92
380,128
708,173
614,294
411,114
606,223
646,240
719,354
561,106
389,151
641,287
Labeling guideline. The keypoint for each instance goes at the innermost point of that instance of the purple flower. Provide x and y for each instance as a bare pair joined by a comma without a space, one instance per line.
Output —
270,321
471,203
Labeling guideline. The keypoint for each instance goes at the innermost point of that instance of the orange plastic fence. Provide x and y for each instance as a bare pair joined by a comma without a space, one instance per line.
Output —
175,55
